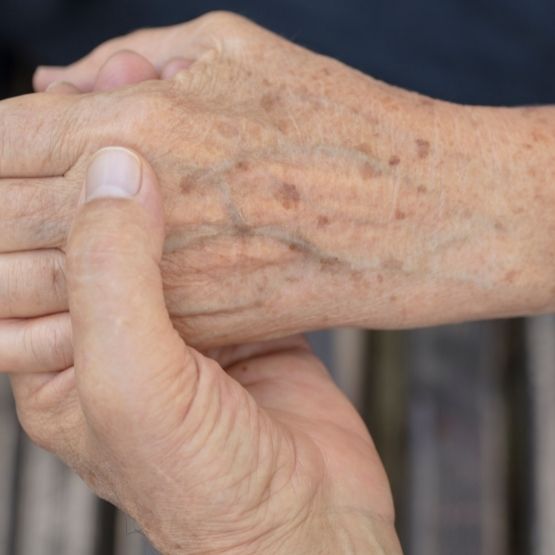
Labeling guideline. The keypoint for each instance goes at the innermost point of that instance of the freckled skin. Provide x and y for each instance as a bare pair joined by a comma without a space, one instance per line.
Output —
263,145
422,148
268,102
323,221
367,171
288,195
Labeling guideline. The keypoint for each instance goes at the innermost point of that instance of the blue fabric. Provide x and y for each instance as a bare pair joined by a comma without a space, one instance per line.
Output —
473,51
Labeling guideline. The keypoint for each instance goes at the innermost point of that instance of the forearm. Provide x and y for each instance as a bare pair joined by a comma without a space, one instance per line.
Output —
400,212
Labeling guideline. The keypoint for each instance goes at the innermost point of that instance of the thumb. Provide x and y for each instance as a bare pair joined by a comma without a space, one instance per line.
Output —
125,347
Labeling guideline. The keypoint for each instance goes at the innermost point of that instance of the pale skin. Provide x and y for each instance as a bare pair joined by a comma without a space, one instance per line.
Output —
298,194
257,453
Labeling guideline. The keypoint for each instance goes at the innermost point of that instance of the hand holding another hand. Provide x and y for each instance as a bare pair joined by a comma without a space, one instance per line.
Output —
256,453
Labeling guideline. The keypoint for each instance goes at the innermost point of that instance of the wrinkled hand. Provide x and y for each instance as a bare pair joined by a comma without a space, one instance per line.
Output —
261,454
226,139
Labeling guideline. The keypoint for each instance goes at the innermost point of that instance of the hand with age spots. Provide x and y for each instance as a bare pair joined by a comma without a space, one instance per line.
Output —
256,453
299,193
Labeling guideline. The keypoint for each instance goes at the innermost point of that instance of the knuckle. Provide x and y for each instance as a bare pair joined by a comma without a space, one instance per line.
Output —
35,426
58,276
225,20
60,346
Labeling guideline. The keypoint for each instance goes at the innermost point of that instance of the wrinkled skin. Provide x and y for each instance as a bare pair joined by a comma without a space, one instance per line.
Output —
299,193
257,453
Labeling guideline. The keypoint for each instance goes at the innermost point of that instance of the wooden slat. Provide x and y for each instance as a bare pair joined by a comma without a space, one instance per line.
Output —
129,538
57,513
457,446
384,407
540,337
8,450
348,363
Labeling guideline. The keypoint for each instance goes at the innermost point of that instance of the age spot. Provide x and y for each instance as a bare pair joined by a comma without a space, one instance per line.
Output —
226,130
367,171
268,102
323,221
421,189
400,215
294,247
366,149
394,161
510,276
392,264
329,263
243,166
186,185
422,148
288,195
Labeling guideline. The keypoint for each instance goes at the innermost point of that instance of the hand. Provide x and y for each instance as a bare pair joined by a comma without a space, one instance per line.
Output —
260,455
299,193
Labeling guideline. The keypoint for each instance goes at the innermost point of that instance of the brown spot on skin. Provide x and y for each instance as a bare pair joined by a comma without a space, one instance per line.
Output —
288,196
242,229
243,166
538,136
399,215
326,71
394,161
226,130
366,148
527,146
329,263
367,171
244,368
421,189
500,227
186,186
293,247
357,276
393,264
323,221
284,126
393,298
510,276
292,279
380,278
422,148
426,102
268,102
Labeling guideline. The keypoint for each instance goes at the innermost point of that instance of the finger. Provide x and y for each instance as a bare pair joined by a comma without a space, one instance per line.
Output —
41,134
35,213
124,68
62,87
156,45
32,284
127,354
174,66
38,345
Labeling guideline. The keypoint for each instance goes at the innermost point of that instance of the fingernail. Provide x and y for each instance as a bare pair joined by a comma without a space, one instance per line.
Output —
115,172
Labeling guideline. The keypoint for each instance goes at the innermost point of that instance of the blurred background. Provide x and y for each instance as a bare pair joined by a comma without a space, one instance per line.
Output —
463,416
